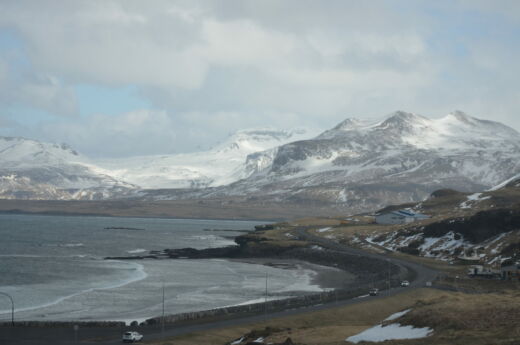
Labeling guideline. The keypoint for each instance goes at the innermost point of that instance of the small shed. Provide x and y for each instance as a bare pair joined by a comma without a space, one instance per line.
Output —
399,217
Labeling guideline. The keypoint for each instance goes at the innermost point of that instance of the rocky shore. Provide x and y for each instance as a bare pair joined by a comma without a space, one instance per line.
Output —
345,275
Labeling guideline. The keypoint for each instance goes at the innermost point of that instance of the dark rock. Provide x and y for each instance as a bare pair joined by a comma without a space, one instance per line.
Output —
444,192
479,227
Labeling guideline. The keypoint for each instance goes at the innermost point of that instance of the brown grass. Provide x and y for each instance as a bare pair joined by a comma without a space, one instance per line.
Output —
457,318
316,222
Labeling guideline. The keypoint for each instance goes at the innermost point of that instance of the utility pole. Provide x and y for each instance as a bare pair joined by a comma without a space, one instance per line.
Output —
388,277
12,306
162,320
265,299
76,327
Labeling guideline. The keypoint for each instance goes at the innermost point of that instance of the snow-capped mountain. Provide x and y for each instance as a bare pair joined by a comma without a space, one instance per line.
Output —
31,169
401,158
358,165
404,143
224,164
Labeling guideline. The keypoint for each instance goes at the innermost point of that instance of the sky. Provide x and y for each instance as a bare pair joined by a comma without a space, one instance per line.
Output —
124,78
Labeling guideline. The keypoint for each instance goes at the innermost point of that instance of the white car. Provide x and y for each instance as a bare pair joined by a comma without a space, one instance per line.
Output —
405,283
373,292
130,337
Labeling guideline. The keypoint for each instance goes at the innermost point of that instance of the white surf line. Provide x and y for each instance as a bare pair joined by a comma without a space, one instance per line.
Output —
136,251
141,275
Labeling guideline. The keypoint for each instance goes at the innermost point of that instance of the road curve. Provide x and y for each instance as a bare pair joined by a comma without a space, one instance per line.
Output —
424,274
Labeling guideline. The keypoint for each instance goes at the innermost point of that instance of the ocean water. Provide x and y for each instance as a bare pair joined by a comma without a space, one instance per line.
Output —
53,267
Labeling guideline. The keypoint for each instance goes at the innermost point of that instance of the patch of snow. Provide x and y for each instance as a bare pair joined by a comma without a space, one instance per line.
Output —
238,341
324,229
496,239
494,260
390,332
259,340
397,315
370,239
342,196
446,243
473,198
503,184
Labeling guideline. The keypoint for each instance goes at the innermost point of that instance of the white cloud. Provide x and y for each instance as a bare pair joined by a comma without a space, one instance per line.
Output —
135,133
216,66
132,42
37,91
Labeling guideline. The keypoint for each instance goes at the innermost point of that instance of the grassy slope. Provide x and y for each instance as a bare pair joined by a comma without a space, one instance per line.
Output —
444,207
456,318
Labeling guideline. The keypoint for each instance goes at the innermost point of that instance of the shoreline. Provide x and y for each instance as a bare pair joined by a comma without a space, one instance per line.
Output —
331,271
310,280
325,277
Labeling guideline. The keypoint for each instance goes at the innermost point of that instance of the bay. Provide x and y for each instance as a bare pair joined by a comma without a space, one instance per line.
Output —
53,267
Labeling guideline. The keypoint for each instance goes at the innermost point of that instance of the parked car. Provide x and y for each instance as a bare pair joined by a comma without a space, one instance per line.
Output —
130,337
405,283
373,292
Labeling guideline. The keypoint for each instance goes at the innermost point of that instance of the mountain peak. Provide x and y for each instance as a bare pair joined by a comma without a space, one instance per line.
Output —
403,116
403,121
259,139
348,124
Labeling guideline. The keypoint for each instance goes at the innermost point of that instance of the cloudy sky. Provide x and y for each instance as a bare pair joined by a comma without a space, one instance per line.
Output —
120,78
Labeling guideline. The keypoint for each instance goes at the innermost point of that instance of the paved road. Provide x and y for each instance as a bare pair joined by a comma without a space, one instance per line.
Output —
424,273
112,336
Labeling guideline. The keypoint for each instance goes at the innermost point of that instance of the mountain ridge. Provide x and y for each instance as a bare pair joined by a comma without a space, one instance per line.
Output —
401,158
357,164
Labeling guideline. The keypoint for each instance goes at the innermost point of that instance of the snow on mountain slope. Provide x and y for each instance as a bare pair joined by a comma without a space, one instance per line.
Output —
37,170
366,165
405,144
19,152
224,164
515,179
358,164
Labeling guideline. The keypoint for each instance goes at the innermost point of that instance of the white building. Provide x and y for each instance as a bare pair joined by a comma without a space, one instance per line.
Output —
399,217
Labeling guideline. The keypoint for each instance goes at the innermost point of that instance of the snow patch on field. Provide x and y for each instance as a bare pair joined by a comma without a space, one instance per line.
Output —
324,229
473,199
391,332
397,315
238,341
